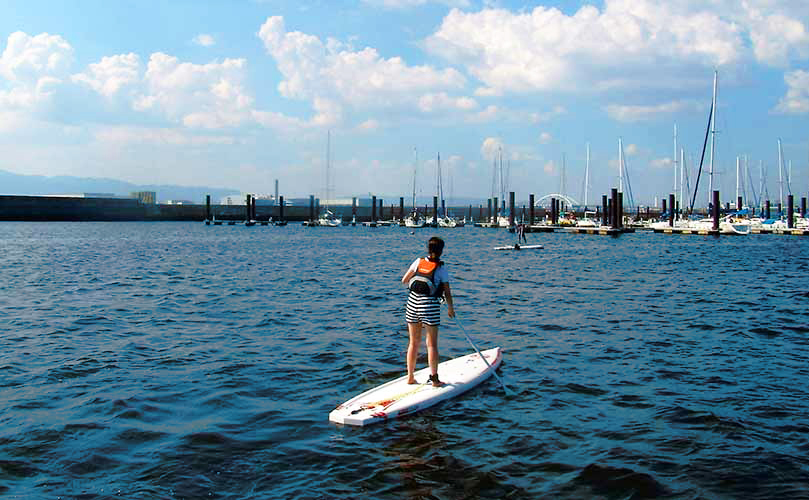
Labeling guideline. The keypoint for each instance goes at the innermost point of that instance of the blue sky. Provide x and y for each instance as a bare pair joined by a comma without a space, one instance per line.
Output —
240,93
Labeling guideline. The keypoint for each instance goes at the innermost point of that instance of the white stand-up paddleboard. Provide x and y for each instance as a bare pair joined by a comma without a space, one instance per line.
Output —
397,398
521,247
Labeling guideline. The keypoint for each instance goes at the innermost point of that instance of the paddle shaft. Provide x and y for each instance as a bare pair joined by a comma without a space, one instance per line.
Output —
458,322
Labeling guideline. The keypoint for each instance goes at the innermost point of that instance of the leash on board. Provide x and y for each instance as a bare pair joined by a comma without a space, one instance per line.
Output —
460,325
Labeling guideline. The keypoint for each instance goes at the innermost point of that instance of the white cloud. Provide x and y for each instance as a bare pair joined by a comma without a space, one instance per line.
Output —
369,125
635,113
111,74
430,103
32,66
337,79
631,149
545,138
661,163
550,168
406,4
626,44
796,100
197,95
491,147
125,136
204,40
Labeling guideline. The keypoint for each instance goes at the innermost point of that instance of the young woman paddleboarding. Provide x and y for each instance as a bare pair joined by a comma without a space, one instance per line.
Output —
428,280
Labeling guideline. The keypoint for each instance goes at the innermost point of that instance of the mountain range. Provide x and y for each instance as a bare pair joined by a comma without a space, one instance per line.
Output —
18,184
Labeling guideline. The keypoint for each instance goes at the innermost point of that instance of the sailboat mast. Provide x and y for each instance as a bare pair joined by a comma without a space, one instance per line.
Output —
620,165
780,174
674,189
713,138
738,177
415,170
682,180
587,175
328,164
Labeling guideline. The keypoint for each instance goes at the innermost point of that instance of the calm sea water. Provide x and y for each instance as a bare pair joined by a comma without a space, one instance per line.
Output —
175,360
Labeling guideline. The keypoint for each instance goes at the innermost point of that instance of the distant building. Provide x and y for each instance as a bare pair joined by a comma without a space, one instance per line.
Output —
145,197
241,199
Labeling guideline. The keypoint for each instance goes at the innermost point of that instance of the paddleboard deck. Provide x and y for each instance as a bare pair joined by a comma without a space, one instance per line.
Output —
397,398
522,247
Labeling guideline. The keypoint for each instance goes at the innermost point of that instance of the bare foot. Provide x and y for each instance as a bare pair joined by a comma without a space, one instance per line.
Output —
411,381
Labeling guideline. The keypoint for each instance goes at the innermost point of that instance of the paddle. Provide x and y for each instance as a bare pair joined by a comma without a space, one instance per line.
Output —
458,322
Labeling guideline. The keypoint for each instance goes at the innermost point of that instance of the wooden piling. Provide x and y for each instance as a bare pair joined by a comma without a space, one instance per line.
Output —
604,211
620,211
790,211
401,208
803,206
373,209
614,210
207,209
311,208
715,207
489,209
738,203
531,209
671,212
281,208
435,211
767,209
511,208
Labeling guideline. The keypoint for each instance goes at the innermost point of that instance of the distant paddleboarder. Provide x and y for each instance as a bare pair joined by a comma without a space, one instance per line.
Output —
428,280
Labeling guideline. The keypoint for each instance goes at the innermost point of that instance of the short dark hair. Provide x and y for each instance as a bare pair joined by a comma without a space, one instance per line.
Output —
435,246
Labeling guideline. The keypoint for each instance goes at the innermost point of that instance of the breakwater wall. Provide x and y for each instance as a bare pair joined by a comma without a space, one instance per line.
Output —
64,208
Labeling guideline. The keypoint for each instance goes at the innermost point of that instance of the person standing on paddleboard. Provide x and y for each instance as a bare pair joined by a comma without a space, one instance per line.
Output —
428,280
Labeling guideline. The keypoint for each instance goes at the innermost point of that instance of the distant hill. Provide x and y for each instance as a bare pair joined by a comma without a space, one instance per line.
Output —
17,184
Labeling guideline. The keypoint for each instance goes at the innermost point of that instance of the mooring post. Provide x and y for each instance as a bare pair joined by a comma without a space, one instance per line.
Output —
620,210
470,213
373,208
767,209
311,208
803,206
790,211
738,203
715,210
489,209
207,207
254,209
671,212
605,215
665,205
780,209
401,207
531,209
496,208
614,210
435,211
511,208
281,208
381,210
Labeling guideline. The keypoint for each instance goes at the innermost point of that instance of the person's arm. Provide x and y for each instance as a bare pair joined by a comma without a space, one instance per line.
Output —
406,278
448,298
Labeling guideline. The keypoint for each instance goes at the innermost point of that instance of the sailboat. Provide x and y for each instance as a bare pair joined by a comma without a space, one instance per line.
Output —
414,219
444,220
328,218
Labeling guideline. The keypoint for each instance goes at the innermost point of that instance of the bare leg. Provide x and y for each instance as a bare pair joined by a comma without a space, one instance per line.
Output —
414,329
432,351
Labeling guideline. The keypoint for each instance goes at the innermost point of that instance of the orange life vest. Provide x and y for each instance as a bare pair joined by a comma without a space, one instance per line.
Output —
423,281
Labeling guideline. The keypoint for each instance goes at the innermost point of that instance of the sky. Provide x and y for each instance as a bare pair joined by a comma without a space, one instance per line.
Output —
240,93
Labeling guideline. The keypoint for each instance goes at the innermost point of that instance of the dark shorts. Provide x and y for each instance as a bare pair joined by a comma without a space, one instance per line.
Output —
423,309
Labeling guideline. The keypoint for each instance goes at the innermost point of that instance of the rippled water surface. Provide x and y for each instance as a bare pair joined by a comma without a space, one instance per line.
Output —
175,360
